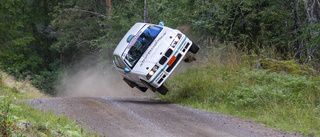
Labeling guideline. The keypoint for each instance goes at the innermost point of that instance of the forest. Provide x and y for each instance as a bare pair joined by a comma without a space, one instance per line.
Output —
41,38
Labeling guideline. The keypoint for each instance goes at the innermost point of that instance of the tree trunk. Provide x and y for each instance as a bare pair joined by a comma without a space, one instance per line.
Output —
317,10
145,13
136,11
108,4
311,8
297,24
45,6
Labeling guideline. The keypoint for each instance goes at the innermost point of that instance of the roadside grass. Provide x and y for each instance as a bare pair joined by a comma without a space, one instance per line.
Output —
20,119
227,82
22,89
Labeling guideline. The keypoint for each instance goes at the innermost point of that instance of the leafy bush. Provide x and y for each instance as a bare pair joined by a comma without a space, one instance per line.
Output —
46,81
254,24
286,67
8,125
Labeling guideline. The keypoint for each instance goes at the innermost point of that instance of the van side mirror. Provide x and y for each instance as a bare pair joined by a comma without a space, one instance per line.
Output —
161,24
127,70
129,38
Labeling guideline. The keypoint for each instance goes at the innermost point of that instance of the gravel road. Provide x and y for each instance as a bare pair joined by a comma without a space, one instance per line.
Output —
145,117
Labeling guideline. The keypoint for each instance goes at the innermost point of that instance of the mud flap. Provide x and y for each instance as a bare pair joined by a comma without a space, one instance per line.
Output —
132,85
149,86
143,89
189,58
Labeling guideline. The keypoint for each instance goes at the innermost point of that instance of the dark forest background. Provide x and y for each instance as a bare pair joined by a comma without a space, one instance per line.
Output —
41,38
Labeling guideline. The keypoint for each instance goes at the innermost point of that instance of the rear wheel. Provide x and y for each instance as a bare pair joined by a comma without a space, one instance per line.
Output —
162,90
194,48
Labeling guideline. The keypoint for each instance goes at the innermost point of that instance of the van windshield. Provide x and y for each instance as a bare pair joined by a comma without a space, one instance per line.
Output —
141,45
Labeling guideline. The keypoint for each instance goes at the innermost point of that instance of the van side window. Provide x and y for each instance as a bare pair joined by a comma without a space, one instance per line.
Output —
118,61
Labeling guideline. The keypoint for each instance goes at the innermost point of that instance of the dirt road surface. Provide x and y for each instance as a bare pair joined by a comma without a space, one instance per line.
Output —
146,117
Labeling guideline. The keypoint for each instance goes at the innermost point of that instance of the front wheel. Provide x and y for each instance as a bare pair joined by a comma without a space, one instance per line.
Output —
194,48
162,90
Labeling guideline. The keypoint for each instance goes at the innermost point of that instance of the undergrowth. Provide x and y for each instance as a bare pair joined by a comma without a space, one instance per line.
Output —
20,119
227,82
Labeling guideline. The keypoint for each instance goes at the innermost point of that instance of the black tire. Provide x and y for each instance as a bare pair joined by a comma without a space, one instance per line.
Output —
194,48
162,90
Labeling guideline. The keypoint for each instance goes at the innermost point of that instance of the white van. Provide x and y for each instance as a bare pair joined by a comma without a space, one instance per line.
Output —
148,54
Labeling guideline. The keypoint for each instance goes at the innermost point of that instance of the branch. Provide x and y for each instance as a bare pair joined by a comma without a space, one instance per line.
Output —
145,12
90,12
136,8
156,13
79,44
231,26
85,41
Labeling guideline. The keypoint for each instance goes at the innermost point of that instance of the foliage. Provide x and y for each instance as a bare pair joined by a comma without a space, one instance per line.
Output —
227,83
48,123
310,35
78,29
46,80
286,67
249,22
289,26
40,38
24,120
19,119
25,38
14,54
8,126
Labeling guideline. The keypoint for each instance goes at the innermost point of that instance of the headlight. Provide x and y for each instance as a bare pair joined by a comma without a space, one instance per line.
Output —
176,40
152,71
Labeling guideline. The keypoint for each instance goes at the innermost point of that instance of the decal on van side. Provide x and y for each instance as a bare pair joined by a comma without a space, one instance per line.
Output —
153,46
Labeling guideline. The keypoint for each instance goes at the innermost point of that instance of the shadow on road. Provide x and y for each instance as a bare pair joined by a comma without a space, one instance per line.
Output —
141,101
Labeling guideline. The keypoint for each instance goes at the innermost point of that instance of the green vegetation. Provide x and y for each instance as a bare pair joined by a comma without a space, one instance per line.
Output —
228,83
19,119
285,67
41,39
290,26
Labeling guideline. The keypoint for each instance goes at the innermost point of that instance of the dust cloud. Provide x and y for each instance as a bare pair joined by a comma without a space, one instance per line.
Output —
92,82
84,81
